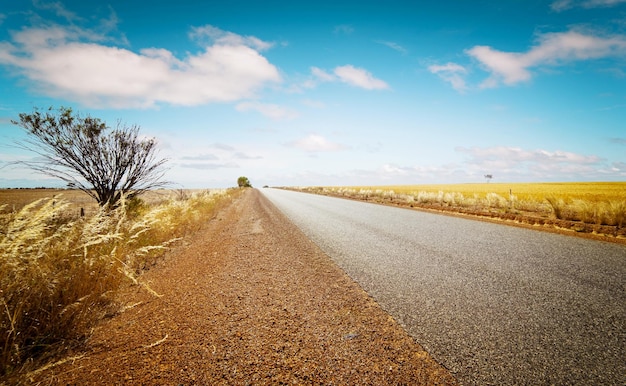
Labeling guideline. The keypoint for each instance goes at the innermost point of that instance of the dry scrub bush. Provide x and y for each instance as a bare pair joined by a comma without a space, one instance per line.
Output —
616,213
587,212
557,205
59,276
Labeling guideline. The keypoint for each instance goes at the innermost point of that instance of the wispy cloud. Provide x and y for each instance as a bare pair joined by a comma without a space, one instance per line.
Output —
619,141
313,103
240,155
452,73
223,157
70,62
562,5
504,163
221,37
343,29
209,165
200,157
393,46
619,167
269,110
316,143
58,8
351,75
222,146
551,49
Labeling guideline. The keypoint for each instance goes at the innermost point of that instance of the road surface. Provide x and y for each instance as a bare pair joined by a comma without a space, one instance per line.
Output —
494,304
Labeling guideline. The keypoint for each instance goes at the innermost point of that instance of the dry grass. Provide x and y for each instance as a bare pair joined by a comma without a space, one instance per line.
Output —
598,203
59,272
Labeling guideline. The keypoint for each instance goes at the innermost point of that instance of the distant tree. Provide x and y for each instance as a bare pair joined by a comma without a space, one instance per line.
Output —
88,155
243,182
488,177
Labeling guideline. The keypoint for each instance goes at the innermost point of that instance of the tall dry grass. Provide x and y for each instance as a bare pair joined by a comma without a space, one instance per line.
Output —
59,273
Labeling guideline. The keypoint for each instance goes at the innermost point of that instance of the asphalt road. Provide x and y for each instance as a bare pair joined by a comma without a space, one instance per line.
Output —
494,304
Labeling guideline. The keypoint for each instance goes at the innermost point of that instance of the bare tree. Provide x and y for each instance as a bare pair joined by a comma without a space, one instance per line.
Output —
103,162
488,177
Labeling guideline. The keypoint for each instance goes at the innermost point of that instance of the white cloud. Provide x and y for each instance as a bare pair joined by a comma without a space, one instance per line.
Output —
269,110
552,49
69,62
316,143
451,73
351,75
562,5
359,77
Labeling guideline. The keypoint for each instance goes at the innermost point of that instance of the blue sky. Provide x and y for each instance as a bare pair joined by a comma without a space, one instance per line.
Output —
331,92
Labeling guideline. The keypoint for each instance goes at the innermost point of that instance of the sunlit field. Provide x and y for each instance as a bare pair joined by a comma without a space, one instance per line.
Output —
592,203
592,191
60,271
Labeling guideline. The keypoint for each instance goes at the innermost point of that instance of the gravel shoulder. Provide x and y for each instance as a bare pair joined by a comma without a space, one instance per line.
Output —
248,300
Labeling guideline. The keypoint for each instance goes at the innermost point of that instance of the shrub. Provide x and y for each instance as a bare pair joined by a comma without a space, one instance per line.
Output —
557,205
243,182
494,200
616,213
587,211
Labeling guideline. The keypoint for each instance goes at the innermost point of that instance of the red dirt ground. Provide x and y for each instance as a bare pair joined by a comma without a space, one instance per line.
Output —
247,300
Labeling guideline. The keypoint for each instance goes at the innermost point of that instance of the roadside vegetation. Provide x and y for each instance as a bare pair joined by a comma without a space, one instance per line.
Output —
60,271
593,208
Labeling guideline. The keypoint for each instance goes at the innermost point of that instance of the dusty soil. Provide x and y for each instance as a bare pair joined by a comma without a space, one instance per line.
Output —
248,300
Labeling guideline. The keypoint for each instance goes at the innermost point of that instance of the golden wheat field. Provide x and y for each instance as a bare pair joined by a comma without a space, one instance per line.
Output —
591,191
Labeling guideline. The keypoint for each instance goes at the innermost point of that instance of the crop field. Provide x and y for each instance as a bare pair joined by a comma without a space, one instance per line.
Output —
60,271
591,191
588,207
